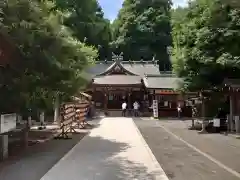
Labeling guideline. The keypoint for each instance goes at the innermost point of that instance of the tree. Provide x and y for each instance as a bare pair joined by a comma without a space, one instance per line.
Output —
85,18
206,43
51,59
143,30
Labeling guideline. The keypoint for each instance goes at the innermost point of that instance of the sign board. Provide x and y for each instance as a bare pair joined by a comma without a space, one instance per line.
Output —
155,108
8,122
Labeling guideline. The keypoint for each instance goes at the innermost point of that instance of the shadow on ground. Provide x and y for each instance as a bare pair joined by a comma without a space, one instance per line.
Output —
37,160
101,159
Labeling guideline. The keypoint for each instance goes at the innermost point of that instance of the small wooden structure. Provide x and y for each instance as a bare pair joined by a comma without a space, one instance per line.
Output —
73,116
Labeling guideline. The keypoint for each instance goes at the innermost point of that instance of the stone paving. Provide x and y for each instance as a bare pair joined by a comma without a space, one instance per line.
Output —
114,151
181,162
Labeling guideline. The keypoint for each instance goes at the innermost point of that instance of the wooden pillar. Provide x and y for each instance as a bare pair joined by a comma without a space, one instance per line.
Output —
106,100
129,99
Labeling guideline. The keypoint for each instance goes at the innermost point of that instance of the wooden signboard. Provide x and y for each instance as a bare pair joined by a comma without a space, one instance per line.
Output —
155,108
8,122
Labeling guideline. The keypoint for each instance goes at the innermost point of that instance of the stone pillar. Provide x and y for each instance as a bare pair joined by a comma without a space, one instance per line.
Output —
237,124
19,119
56,109
3,147
42,118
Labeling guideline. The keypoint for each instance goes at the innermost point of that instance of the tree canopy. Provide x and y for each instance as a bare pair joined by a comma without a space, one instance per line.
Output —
86,20
57,39
51,58
143,30
206,42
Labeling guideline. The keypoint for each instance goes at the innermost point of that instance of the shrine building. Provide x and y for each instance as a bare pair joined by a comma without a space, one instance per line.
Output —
116,81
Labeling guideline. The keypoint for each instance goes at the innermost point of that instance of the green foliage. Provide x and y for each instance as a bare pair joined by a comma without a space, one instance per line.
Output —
51,58
206,42
85,19
143,30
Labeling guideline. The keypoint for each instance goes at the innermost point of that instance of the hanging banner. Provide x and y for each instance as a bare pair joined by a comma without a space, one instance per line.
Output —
155,108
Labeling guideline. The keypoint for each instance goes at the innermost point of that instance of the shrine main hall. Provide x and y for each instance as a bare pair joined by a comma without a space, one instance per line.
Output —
113,82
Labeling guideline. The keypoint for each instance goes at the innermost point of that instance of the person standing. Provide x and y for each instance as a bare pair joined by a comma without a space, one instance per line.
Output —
124,108
179,110
136,108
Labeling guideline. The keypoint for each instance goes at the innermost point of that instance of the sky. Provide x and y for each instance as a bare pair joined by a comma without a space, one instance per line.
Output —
111,7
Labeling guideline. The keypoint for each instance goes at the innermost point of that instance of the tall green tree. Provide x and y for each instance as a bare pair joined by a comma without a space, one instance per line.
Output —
51,59
86,19
143,30
207,42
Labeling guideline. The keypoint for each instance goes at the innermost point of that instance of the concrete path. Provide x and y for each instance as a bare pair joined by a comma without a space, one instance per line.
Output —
113,151
187,155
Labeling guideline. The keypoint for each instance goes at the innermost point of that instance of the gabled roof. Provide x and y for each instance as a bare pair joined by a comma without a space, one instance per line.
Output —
117,66
135,73
141,68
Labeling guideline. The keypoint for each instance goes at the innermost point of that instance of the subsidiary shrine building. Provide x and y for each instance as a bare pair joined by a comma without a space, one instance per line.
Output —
113,82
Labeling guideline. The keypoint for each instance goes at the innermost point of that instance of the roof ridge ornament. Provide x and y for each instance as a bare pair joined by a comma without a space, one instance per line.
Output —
117,58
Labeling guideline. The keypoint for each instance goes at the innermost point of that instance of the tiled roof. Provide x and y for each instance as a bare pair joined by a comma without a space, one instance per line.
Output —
146,71
138,68
162,82
142,69
117,80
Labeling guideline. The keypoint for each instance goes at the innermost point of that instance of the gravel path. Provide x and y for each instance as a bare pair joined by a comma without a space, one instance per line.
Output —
181,162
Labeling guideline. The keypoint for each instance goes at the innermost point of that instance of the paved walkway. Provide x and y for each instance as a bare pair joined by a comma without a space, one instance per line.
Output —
183,162
115,150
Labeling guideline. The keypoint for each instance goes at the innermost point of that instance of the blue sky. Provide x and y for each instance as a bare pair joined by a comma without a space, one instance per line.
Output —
111,7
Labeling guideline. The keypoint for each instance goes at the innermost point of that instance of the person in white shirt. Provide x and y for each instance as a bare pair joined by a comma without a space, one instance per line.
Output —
124,108
136,108
179,110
